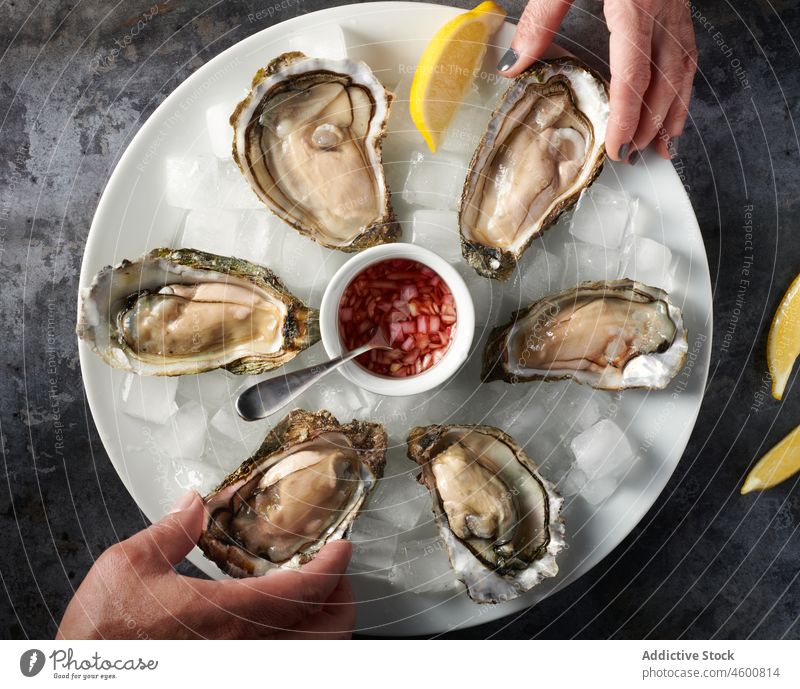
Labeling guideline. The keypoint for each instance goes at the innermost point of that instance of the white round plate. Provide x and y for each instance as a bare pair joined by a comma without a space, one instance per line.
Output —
134,217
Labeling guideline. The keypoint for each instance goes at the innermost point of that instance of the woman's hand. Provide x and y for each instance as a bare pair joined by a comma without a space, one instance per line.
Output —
652,57
132,591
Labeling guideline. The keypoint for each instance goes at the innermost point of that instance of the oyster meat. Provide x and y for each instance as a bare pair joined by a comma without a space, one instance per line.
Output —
498,518
308,139
303,488
544,144
610,335
181,311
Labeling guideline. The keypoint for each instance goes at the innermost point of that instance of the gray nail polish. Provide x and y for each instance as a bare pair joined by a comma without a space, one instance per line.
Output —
634,158
508,60
623,151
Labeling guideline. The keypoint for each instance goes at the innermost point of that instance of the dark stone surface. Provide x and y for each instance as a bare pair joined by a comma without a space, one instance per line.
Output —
704,562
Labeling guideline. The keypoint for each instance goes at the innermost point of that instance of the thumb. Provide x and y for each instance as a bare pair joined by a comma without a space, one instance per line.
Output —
537,27
170,539
283,598
303,591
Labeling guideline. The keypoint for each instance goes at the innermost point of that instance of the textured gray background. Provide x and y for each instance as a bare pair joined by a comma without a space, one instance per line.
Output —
705,562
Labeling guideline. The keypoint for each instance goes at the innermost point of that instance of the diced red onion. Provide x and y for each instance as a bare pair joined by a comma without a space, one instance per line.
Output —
411,304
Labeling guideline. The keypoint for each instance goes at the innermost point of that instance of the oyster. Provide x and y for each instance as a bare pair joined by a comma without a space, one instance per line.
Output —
544,144
610,335
302,488
497,516
181,311
308,139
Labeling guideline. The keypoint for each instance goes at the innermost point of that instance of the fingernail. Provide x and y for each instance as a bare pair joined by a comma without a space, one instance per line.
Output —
183,502
634,158
623,151
508,60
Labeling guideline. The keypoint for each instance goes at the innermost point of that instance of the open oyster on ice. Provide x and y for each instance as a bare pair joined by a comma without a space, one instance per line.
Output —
308,139
610,335
303,488
498,518
544,144
181,311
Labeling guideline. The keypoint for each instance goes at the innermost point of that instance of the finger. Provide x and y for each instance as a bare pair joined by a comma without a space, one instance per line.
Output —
315,581
334,621
281,599
169,540
665,147
679,110
663,90
629,56
537,27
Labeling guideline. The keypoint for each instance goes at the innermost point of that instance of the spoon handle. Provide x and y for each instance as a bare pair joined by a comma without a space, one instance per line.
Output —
269,396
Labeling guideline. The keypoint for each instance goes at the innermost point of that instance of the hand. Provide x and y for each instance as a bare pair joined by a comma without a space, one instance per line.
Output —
653,61
132,591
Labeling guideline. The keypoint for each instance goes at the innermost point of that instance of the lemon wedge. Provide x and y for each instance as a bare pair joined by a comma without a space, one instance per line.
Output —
783,342
447,68
781,462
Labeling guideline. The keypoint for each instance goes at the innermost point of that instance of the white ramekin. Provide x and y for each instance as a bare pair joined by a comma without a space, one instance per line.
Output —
456,353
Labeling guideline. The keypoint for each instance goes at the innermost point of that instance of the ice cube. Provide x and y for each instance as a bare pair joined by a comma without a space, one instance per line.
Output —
225,453
210,229
210,389
648,261
435,180
192,475
423,567
256,239
322,40
522,419
589,262
602,450
227,422
220,132
183,436
537,277
192,182
438,231
573,482
234,189
397,156
551,392
603,216
484,294
443,405
467,127
401,501
339,396
392,412
579,408
374,544
400,125
596,491
553,457
491,87
306,266
150,398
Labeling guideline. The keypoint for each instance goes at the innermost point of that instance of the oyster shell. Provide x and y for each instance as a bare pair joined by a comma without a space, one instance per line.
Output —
498,517
542,147
610,335
181,311
302,488
308,139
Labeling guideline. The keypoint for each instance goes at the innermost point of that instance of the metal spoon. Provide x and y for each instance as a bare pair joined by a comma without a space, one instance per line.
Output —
269,396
